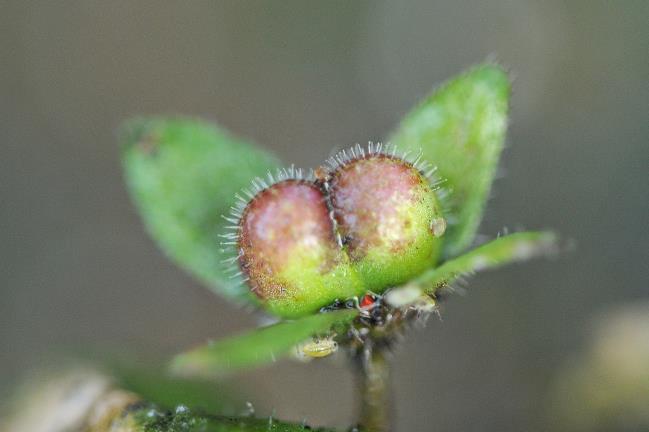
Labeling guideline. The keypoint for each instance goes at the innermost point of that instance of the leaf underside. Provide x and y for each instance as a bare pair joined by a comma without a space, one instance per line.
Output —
460,128
511,248
257,347
182,175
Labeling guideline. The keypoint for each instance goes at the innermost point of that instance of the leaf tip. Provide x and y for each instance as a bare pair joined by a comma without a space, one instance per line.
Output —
494,74
134,131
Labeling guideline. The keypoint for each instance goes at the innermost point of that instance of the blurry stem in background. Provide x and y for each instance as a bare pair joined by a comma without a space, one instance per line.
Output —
374,387
85,400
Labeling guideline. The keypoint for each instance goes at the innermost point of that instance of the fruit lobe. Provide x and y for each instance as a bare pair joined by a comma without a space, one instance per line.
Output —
384,207
289,251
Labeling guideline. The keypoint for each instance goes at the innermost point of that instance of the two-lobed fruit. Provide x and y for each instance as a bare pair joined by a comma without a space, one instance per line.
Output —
373,223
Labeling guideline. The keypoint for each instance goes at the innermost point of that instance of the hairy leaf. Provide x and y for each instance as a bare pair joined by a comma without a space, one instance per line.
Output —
511,248
257,347
460,128
183,175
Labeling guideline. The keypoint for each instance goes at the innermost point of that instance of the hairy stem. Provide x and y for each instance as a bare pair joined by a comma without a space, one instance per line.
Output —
374,389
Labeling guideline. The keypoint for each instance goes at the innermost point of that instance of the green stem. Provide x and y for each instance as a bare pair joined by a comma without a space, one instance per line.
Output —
374,389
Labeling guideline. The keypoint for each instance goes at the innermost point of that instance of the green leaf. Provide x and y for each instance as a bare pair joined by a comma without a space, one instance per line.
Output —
511,248
155,385
460,128
183,175
257,347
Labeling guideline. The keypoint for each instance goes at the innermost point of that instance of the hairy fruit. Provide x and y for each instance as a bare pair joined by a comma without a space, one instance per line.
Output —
368,222
289,252
388,216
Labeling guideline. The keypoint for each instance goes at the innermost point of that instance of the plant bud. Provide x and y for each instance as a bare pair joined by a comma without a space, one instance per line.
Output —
289,252
388,216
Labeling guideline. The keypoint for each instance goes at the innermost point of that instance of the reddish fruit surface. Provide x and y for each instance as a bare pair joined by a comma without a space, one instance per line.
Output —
371,223
289,251
384,208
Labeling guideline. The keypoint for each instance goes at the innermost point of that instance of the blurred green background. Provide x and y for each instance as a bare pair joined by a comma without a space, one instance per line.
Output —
303,78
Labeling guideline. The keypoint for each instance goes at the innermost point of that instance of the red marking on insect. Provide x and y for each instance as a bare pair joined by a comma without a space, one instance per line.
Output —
367,302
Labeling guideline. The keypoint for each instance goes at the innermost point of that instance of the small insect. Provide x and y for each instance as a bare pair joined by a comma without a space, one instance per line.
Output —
317,348
403,296
425,305
367,305
336,305
368,301
351,303
410,297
